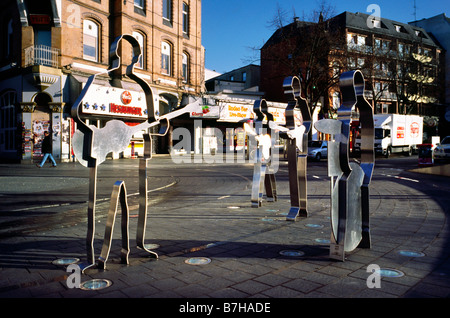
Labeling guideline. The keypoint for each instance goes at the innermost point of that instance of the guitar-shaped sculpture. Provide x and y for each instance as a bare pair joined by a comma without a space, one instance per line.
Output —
350,192
263,175
297,138
91,146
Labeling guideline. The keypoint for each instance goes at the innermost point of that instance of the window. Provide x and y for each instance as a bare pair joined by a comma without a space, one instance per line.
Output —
351,39
139,4
166,58
351,62
376,23
167,10
9,39
355,41
185,68
382,46
185,18
244,76
90,40
336,100
141,40
401,49
360,62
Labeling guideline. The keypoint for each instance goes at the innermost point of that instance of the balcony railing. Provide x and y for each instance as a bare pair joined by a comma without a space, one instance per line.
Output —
41,55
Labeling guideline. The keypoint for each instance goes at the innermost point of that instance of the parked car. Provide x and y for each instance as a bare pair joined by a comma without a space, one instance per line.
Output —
442,150
317,149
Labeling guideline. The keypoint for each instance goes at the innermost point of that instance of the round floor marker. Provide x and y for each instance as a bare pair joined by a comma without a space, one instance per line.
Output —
272,210
411,253
292,253
66,261
314,226
198,261
389,272
234,207
322,241
151,246
95,284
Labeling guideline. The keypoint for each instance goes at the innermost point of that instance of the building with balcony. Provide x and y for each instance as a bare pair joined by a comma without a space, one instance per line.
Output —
402,64
50,48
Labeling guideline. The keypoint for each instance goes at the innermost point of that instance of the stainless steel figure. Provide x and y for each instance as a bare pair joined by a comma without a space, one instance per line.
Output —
91,144
297,147
349,180
263,175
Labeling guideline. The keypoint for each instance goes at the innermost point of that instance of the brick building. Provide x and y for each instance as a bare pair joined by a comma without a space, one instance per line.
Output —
402,64
51,47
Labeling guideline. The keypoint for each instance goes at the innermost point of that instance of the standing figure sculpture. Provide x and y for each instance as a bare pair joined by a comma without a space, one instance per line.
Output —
91,146
297,147
349,180
263,174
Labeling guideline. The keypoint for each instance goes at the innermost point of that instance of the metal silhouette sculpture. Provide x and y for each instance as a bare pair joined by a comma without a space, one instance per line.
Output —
263,174
349,180
91,146
297,147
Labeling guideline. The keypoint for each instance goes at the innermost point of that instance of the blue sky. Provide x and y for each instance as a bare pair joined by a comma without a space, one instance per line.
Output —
231,29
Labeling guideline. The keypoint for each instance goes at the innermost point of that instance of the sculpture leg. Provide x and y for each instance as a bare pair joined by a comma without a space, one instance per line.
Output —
365,222
339,207
143,197
270,184
91,219
294,188
302,182
259,172
125,251
119,192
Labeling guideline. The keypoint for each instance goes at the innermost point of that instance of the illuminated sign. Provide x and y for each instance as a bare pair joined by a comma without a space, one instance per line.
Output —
112,101
205,111
127,110
232,112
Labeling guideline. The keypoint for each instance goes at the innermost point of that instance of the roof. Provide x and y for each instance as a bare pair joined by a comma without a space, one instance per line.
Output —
280,34
358,22
390,28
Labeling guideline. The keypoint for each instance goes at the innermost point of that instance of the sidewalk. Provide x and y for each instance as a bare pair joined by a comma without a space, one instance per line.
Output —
220,247
440,170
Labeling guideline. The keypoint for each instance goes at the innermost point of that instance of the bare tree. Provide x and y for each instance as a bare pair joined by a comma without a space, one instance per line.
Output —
307,48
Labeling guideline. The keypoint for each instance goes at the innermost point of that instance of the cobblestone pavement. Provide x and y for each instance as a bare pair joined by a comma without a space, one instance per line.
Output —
203,212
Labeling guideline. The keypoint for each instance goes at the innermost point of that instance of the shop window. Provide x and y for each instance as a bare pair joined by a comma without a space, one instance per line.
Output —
90,41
